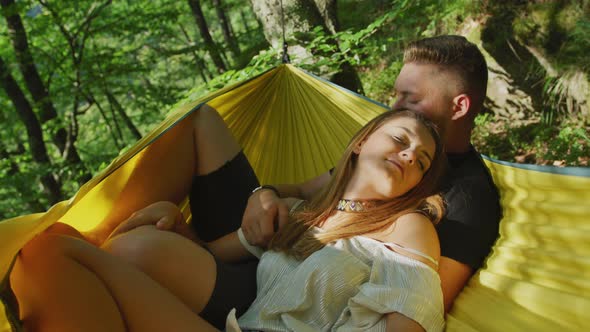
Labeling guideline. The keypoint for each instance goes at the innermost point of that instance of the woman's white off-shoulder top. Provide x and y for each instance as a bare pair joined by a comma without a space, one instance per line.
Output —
349,285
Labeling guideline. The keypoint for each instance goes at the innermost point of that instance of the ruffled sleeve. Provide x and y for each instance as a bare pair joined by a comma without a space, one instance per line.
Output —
396,284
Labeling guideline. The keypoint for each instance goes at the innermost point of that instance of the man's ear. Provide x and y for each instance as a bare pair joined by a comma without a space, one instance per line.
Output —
461,106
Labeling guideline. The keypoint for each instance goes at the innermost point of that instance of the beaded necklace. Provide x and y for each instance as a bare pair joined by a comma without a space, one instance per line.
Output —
348,205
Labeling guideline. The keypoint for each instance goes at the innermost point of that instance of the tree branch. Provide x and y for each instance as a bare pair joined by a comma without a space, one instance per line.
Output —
34,132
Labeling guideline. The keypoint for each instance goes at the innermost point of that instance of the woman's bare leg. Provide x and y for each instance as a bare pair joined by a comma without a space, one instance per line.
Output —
214,143
178,264
78,287
64,229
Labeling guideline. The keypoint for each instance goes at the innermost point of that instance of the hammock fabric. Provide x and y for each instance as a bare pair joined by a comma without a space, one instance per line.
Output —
294,126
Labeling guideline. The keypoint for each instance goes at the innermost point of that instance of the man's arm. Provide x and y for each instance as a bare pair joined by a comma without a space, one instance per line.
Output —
470,227
266,212
398,322
453,276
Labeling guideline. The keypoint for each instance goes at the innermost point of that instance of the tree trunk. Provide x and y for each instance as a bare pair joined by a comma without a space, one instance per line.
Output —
35,136
107,122
245,21
34,83
226,27
524,69
300,18
204,30
327,9
200,65
121,112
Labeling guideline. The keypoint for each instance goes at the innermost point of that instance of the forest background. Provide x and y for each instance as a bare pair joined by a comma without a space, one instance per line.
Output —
82,80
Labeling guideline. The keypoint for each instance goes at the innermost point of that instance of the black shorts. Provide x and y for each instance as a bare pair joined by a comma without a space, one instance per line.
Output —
218,201
235,287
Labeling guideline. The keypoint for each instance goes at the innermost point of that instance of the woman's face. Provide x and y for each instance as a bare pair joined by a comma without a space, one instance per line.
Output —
394,158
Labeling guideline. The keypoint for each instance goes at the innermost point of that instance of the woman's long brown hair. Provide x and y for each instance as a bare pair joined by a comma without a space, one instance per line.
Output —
296,238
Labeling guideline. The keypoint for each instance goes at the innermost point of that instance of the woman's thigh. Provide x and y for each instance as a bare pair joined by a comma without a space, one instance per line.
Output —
175,262
56,275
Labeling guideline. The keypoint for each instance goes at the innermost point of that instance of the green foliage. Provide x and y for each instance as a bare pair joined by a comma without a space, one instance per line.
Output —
149,55
146,55
447,15
562,28
570,145
18,195
378,85
367,11
576,44
535,143
260,63
374,42
363,46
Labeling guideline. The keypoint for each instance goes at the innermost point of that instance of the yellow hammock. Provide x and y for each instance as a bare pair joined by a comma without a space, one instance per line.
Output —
293,126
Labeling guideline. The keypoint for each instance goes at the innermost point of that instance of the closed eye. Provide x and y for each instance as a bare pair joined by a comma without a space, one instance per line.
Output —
407,96
421,165
400,139
424,164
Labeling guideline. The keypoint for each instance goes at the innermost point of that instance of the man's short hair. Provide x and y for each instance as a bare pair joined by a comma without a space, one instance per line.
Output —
455,54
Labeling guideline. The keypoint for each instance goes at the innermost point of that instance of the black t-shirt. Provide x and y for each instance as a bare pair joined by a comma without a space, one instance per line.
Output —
470,225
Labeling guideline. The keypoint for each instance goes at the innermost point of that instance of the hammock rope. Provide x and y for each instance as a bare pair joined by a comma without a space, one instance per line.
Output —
285,57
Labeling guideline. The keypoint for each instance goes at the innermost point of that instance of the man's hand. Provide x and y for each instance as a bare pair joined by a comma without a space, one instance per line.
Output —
164,215
265,213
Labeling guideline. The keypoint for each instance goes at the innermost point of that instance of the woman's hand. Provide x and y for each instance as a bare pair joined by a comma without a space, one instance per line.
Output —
164,215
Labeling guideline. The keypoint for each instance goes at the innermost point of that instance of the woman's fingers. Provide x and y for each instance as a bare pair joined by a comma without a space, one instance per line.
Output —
136,219
165,223
265,229
162,214
283,216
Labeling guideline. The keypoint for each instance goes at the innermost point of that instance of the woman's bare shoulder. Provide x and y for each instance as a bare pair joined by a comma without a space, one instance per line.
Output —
415,231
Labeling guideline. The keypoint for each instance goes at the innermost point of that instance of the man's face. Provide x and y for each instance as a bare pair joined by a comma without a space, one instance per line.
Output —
425,89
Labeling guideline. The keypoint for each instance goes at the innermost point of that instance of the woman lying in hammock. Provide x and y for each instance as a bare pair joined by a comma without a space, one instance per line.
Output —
360,256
